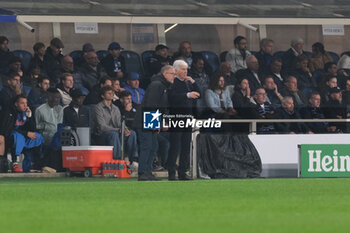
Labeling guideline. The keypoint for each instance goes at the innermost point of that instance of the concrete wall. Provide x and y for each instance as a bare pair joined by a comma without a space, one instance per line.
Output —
203,37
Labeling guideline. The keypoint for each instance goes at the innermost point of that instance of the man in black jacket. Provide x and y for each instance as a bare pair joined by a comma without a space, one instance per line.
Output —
52,61
155,98
76,114
17,123
9,92
5,55
114,63
182,99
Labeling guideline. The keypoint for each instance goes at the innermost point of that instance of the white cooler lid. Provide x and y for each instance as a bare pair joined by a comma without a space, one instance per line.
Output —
74,148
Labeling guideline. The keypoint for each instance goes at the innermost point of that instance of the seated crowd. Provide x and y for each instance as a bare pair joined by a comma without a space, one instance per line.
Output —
57,90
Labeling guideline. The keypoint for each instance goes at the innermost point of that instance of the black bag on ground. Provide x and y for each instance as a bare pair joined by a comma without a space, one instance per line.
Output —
228,156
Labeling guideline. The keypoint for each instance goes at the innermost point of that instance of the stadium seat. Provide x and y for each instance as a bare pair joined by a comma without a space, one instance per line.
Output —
101,54
211,59
334,56
76,54
254,52
25,57
146,55
223,56
279,54
84,90
308,54
26,90
132,61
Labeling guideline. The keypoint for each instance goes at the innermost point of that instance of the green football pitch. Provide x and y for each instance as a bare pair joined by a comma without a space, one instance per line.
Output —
233,205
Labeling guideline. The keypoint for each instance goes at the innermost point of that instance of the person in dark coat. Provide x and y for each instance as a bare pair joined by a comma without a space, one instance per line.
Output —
94,96
291,89
114,63
159,59
155,98
289,58
9,92
287,111
335,108
38,58
76,114
52,61
264,56
276,72
5,55
251,73
38,95
182,99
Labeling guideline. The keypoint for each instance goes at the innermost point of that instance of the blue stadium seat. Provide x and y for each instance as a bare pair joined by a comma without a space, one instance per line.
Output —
308,54
132,61
279,54
101,54
211,59
254,52
334,56
26,90
84,90
223,56
25,57
76,54
146,55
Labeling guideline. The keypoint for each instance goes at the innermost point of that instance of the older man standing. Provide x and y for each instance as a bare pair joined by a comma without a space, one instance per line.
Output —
155,98
182,98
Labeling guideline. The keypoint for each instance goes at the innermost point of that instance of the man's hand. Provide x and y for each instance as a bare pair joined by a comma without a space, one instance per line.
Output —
31,135
188,78
126,132
194,95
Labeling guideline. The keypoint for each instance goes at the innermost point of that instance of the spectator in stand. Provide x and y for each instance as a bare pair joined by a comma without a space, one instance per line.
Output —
49,115
303,74
251,73
91,70
241,97
117,92
38,94
114,63
81,60
67,66
314,111
229,76
52,61
185,52
264,56
10,91
274,97
18,122
237,56
330,82
261,109
15,64
319,57
65,88
108,123
276,72
5,55
336,109
344,61
291,89
38,58
197,72
289,58
132,86
346,93
218,99
94,96
287,111
159,59
127,110
31,78
76,114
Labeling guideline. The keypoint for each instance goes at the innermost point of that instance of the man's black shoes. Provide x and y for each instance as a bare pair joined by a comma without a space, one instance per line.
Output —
185,177
148,177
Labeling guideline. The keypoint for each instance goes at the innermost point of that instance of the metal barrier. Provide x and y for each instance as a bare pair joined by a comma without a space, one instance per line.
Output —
252,129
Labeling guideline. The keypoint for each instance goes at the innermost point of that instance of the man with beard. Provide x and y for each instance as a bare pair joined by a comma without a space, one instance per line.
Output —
236,57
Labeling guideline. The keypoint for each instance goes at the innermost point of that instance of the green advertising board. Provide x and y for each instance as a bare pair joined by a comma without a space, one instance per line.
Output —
326,160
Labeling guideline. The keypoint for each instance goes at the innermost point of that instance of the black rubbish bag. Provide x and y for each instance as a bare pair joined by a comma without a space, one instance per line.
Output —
228,156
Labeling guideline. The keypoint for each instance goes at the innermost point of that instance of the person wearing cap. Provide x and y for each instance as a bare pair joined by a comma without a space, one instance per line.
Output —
289,58
52,60
335,108
80,60
114,63
159,59
5,54
132,86
76,114
91,70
